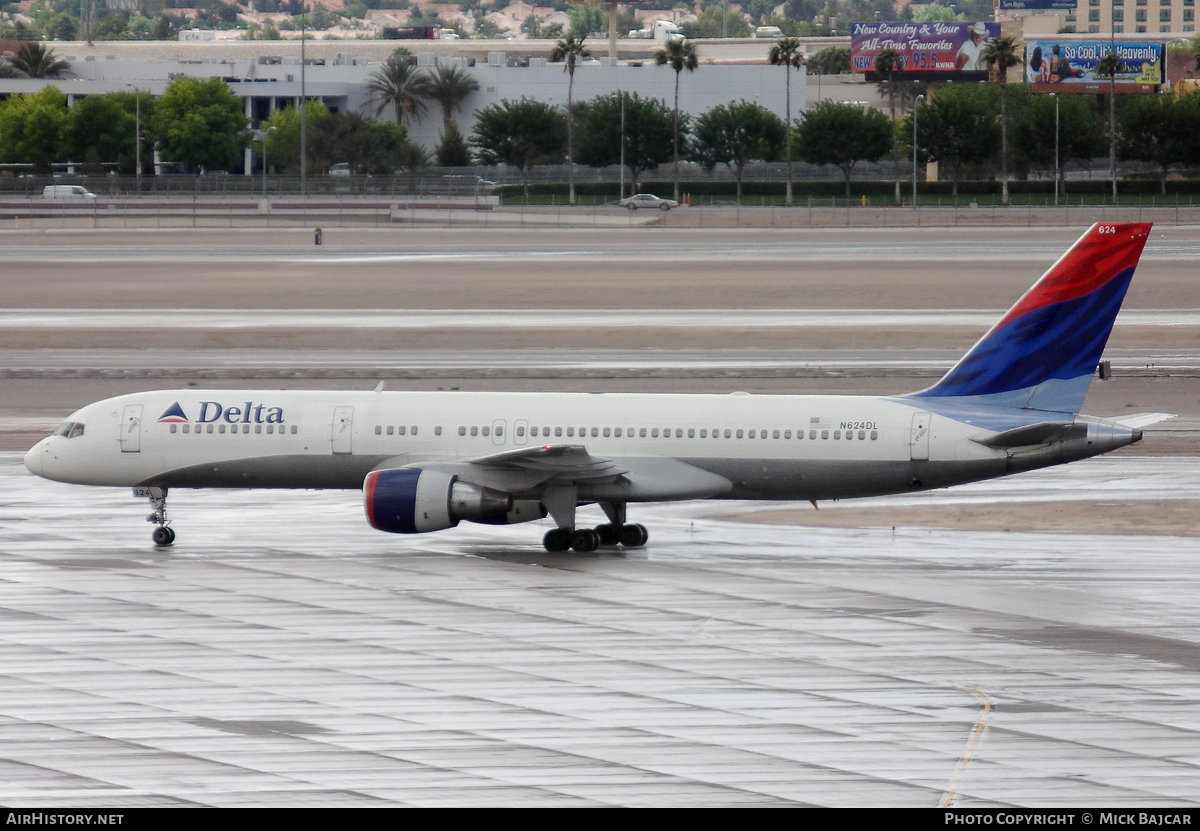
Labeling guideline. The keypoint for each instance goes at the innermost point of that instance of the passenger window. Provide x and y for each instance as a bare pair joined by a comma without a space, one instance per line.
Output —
557,431
704,433
462,431
487,431
727,432
595,432
787,434
774,434
642,432
862,434
413,431
187,428
391,430
691,432
293,429
209,430
270,428
606,432
874,435
257,428
571,431
678,432
654,433
812,434
617,432
400,430
499,431
750,435
825,434
379,430
437,431
520,431
474,431
739,434
173,426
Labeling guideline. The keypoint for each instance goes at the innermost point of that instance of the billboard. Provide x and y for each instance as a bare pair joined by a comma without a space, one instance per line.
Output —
930,51
1070,66
1018,5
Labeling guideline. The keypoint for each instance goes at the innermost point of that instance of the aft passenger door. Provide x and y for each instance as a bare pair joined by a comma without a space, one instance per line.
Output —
918,440
342,429
131,429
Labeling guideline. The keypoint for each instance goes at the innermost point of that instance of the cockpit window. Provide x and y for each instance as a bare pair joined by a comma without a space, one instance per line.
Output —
70,429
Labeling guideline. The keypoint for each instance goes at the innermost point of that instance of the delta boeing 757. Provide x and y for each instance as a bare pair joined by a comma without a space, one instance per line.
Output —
426,460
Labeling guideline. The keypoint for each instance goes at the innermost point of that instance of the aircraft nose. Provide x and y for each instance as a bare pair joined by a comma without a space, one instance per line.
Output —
33,459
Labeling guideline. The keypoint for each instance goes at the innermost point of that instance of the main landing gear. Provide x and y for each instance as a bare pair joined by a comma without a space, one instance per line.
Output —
585,540
614,532
163,534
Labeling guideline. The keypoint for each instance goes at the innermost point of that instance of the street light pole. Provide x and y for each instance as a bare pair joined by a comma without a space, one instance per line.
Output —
1056,168
916,106
137,134
265,133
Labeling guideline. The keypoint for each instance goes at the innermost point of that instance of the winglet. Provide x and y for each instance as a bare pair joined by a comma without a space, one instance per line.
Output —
1043,353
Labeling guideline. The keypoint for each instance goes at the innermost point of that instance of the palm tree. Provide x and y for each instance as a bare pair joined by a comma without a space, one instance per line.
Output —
1000,54
1108,67
401,85
888,62
570,49
36,61
786,53
679,55
449,86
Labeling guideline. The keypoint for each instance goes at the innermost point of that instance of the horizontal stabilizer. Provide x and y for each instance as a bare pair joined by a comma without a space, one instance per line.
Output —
1047,432
1139,420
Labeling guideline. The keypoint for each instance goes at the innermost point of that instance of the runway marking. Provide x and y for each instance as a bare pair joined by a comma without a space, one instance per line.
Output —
976,734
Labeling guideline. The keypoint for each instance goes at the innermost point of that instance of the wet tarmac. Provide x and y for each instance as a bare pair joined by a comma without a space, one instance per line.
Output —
284,653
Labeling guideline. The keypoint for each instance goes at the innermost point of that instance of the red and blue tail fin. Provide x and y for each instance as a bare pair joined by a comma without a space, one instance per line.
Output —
1043,353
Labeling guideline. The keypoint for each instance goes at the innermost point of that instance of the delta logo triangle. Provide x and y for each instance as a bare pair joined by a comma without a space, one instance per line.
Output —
173,415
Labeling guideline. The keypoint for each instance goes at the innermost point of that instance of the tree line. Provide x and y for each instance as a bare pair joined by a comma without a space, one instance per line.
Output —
201,126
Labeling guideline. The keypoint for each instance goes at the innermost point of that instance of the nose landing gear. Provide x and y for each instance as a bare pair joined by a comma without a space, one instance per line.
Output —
163,534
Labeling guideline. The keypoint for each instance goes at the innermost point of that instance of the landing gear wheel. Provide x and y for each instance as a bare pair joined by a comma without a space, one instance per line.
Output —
634,536
585,540
163,535
557,540
608,534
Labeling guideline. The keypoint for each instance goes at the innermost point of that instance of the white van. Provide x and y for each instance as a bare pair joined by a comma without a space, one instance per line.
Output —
67,192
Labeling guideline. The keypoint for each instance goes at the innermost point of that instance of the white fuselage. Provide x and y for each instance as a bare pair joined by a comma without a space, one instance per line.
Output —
762,446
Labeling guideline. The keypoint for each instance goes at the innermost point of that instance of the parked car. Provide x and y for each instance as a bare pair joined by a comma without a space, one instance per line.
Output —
340,169
648,200
67,192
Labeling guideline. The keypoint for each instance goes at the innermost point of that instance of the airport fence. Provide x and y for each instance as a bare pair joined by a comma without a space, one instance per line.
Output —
479,211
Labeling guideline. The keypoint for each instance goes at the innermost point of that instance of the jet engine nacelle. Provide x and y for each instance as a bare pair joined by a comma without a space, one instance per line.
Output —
413,501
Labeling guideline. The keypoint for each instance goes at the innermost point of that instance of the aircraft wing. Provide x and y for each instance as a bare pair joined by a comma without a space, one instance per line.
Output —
567,462
550,466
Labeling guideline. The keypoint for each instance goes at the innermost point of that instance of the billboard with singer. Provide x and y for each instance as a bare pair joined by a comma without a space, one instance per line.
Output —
929,51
